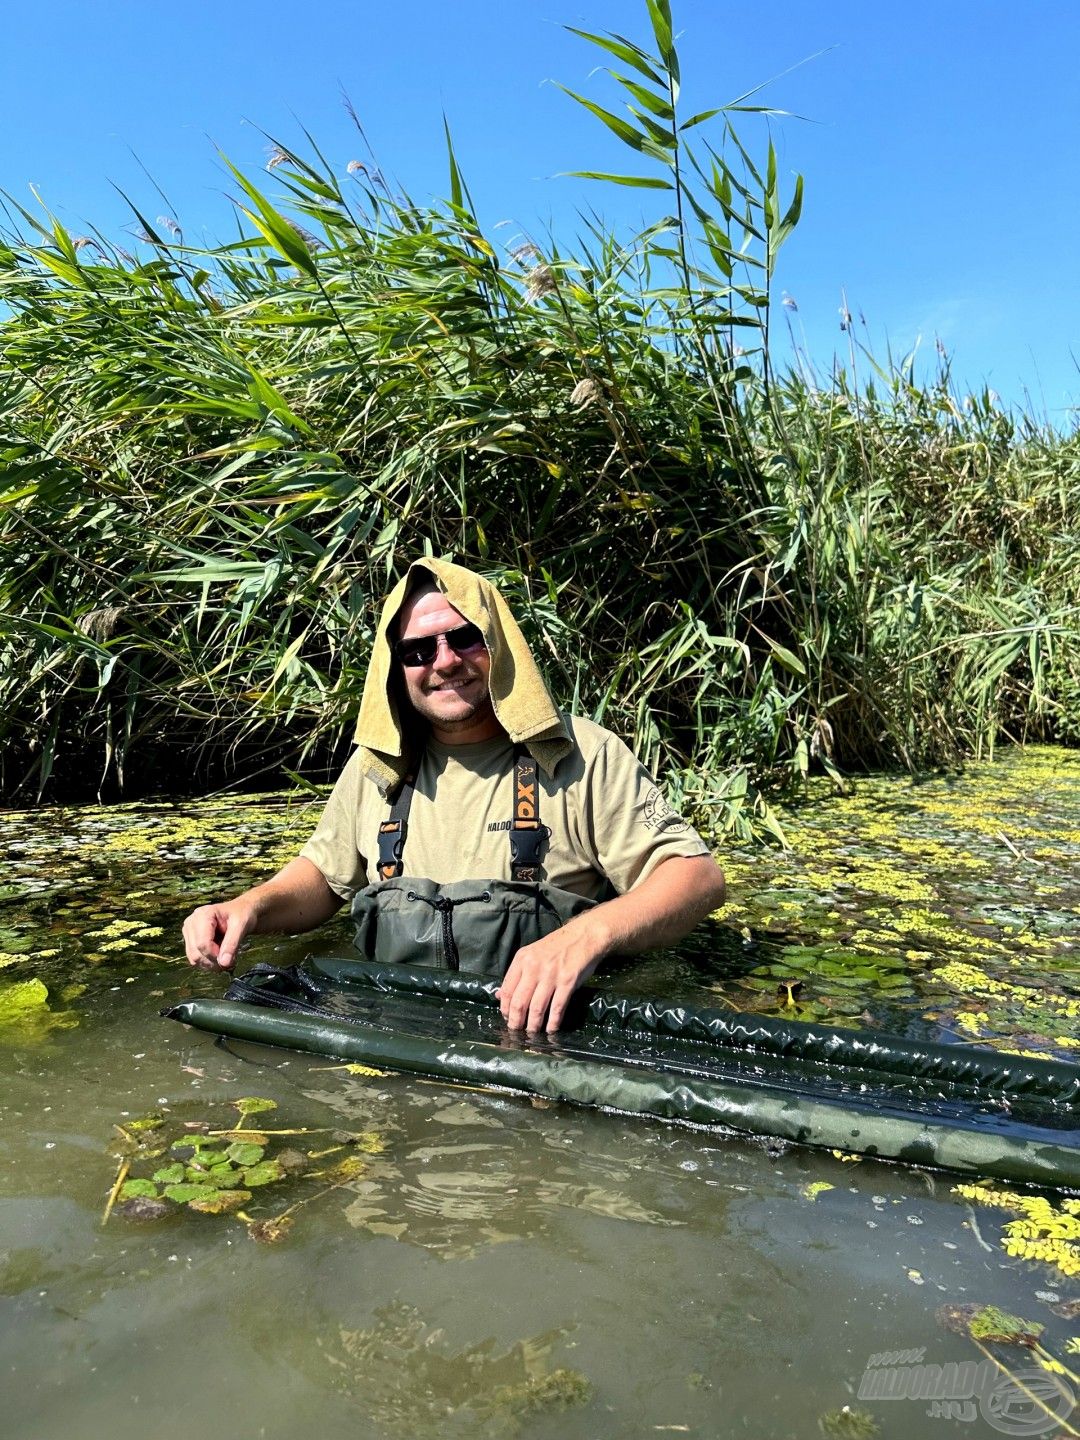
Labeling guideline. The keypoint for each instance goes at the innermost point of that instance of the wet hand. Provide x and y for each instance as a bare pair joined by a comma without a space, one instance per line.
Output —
214,933
544,975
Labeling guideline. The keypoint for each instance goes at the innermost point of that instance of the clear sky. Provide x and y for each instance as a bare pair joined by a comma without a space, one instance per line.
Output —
938,146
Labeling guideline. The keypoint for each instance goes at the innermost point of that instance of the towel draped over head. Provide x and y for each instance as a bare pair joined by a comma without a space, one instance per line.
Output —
521,701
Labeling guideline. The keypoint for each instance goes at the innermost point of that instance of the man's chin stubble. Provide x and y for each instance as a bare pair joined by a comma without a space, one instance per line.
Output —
479,711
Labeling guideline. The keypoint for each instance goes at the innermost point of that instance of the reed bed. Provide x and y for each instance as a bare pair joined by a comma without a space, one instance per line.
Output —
213,462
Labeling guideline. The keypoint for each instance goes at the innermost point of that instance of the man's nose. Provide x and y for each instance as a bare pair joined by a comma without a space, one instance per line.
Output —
446,657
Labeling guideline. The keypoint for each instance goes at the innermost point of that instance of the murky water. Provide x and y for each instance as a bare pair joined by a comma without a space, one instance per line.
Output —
497,1268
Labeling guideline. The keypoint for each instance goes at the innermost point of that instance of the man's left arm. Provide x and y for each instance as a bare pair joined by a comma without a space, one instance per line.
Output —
658,911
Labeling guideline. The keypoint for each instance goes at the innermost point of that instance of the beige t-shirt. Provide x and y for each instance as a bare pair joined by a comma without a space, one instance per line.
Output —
608,818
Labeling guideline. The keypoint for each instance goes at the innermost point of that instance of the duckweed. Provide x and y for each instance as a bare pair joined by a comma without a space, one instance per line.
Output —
907,901
1044,1232
948,906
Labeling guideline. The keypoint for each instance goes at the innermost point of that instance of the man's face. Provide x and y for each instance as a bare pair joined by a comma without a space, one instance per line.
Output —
451,693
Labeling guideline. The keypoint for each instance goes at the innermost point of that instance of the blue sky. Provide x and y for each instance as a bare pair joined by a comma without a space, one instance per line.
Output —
937,149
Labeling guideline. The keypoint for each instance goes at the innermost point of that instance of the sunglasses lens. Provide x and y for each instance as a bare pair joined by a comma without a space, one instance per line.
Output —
418,652
423,650
465,638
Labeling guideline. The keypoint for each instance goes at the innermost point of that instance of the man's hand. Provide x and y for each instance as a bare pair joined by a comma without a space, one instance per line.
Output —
297,898
544,975
214,933
657,912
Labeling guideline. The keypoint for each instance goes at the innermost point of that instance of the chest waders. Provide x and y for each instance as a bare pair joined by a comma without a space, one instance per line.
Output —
472,925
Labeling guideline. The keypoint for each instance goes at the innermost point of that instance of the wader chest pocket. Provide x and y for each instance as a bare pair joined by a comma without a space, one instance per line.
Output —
473,925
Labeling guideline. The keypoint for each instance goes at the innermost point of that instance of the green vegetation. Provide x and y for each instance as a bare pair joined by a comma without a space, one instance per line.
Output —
408,1379
213,461
214,1171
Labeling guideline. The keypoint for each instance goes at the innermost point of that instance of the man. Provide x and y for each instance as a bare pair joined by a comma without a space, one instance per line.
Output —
476,824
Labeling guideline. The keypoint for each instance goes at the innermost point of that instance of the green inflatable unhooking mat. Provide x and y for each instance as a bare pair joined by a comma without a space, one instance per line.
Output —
954,1107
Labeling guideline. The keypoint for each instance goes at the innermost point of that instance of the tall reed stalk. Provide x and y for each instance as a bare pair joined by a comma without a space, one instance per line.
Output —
213,462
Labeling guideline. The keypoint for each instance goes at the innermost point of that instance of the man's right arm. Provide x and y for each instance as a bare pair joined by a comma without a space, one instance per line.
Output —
296,898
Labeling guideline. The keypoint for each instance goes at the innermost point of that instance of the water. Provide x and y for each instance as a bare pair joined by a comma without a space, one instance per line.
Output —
501,1268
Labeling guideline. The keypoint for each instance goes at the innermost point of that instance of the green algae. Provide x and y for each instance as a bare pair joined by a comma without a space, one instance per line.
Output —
25,1014
94,892
410,1382
947,906
848,1423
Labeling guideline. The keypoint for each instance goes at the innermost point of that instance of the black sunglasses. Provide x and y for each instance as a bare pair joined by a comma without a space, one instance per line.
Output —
422,651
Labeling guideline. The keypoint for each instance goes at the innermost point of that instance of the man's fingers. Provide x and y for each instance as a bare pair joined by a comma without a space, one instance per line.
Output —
506,989
539,982
538,1005
200,938
559,1002
515,993
235,931
213,934
519,1004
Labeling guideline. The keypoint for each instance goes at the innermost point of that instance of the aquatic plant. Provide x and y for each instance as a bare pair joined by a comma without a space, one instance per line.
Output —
988,951
988,1326
214,459
25,1013
408,1378
1046,1233
848,1423
216,1171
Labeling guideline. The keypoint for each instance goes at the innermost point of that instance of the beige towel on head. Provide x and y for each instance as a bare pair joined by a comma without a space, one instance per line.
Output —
522,704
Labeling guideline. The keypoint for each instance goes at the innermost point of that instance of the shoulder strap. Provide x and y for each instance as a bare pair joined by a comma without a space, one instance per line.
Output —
392,832
527,835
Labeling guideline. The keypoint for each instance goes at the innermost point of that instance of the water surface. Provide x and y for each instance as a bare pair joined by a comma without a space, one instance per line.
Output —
498,1267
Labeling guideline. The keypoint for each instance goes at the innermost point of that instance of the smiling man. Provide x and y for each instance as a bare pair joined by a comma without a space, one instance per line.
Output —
477,826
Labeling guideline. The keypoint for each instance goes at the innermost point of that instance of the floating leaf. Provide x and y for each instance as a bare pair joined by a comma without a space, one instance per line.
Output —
245,1153
225,1177
254,1105
203,1161
136,1189
170,1174
183,1193
219,1202
264,1174
348,1169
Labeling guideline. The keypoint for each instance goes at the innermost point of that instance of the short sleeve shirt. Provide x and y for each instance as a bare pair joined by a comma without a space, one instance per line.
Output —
608,818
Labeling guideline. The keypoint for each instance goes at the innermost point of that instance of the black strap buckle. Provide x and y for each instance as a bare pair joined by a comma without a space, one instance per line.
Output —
391,847
527,844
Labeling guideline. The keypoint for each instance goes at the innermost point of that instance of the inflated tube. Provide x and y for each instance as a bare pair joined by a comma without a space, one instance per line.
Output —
876,1095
